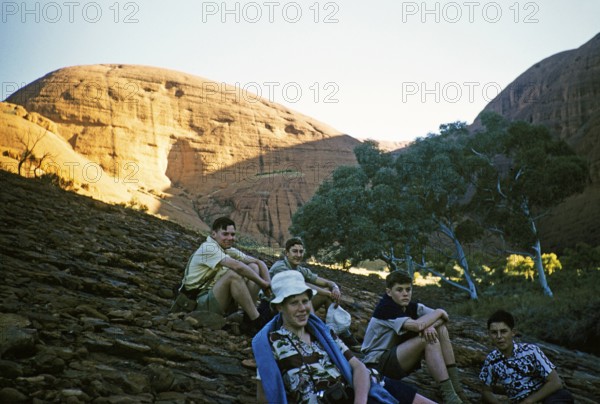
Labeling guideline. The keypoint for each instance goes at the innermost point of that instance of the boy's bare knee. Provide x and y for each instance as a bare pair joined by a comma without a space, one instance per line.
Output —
433,346
230,278
416,344
442,331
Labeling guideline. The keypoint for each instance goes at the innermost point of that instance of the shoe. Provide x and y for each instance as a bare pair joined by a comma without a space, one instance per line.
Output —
251,327
264,311
448,394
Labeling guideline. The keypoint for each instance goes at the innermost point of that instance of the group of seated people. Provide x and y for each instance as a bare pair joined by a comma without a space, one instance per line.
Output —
301,359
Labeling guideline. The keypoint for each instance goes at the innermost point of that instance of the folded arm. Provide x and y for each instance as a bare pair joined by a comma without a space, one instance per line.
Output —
244,270
263,270
552,384
488,396
327,288
435,318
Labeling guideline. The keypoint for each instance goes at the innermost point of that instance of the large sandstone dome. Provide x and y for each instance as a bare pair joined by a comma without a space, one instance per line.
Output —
562,92
195,146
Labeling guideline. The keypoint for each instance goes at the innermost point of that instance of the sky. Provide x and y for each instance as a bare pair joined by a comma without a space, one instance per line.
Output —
387,70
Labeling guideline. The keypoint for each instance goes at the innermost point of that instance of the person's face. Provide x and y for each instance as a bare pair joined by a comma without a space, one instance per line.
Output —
502,337
295,311
225,237
295,254
401,293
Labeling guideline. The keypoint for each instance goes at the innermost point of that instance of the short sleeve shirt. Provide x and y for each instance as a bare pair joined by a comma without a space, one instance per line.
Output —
382,335
304,365
524,373
205,267
284,265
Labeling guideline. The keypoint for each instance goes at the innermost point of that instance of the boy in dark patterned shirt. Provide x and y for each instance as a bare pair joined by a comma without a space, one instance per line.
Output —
522,369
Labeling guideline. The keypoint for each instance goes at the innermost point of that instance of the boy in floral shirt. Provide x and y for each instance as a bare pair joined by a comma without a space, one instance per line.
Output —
522,369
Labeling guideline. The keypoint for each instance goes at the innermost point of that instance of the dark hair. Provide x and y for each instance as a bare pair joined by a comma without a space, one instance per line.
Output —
292,242
502,316
222,223
397,277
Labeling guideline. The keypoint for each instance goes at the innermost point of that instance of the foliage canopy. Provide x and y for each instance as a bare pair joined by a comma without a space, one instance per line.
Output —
439,194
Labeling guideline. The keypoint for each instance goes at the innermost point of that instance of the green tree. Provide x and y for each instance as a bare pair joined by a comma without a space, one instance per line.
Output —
395,212
522,173
385,205
435,173
335,223
359,213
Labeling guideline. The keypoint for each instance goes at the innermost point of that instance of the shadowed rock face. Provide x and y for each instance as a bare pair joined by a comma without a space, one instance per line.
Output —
85,289
562,92
186,136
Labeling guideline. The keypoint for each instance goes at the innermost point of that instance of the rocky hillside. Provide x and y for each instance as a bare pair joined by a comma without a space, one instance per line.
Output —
562,92
184,143
85,289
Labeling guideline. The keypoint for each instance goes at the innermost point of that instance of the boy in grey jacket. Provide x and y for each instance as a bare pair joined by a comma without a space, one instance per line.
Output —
401,332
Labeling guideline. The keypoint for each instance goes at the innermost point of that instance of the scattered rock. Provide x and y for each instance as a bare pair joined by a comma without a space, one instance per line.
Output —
10,369
10,395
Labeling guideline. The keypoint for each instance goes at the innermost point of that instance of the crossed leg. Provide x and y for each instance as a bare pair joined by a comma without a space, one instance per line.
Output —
437,355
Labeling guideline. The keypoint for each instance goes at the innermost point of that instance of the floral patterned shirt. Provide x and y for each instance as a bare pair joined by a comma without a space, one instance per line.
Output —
524,373
306,368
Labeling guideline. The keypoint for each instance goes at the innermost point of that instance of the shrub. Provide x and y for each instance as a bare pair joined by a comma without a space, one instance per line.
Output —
582,256
570,319
135,204
56,180
521,265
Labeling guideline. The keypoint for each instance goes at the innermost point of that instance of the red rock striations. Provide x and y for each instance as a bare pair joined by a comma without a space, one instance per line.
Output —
202,147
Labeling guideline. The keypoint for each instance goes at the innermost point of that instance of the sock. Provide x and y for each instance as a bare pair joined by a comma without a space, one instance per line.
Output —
455,379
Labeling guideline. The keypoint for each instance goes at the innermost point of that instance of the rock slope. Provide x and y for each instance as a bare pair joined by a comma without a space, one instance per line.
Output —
85,289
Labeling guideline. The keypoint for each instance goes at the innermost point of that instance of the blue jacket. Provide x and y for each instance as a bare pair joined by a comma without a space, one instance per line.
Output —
269,371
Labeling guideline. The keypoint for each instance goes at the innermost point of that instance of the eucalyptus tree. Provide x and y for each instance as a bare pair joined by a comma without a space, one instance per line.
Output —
386,204
522,174
396,213
361,213
335,223
434,172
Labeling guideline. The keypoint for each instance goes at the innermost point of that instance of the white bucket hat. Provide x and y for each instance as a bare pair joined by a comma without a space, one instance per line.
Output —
289,283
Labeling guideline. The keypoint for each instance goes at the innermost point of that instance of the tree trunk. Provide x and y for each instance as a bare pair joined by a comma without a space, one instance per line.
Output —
540,268
537,247
410,264
462,259
390,260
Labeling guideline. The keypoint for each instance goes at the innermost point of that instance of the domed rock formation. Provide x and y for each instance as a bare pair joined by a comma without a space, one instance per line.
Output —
191,141
562,92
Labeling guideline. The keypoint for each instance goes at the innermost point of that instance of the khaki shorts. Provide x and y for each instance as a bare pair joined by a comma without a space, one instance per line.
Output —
389,366
208,302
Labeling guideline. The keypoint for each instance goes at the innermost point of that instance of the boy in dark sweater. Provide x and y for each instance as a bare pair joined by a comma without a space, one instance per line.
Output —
402,332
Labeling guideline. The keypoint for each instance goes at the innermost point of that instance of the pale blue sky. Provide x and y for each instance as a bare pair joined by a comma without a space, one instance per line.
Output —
390,70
